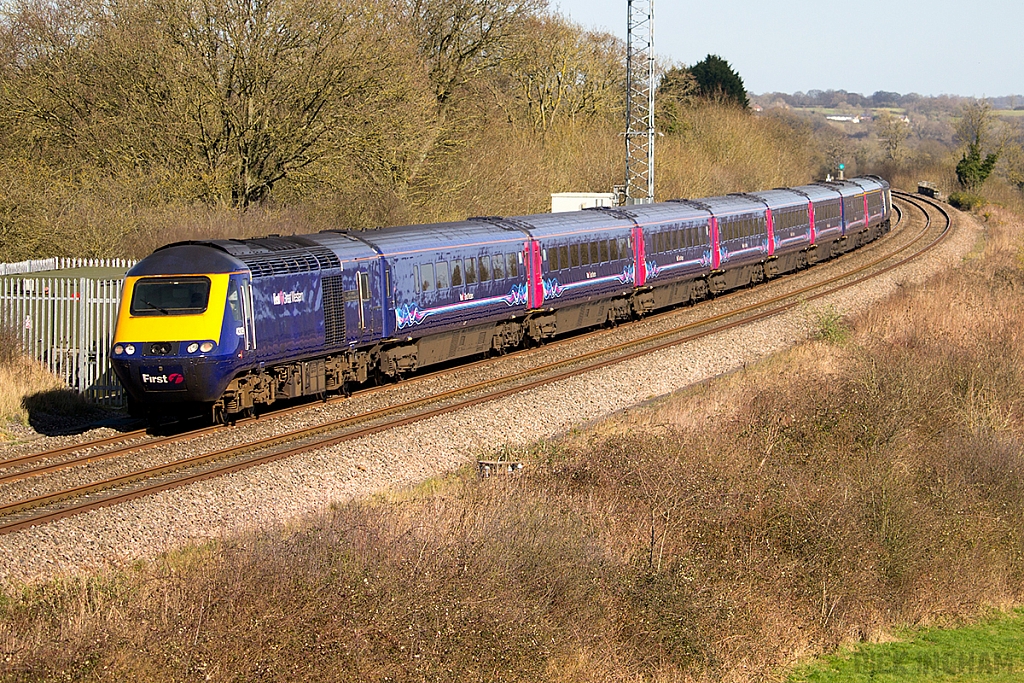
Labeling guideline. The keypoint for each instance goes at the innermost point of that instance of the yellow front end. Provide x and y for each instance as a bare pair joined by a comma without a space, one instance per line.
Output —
169,352
169,328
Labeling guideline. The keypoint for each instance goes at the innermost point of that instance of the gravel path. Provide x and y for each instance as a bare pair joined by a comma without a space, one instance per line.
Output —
284,491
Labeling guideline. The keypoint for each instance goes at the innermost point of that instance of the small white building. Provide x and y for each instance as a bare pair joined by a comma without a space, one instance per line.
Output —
574,201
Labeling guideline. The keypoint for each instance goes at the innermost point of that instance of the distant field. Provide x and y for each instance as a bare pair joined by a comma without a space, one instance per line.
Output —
1016,113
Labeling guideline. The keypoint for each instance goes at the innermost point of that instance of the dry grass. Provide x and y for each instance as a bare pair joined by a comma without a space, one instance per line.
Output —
825,496
29,392
27,388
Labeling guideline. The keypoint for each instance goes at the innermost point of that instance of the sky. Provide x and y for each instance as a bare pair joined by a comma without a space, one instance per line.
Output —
931,47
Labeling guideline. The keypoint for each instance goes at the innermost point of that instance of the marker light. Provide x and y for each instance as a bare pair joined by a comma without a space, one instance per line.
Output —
129,349
206,347
118,349
193,347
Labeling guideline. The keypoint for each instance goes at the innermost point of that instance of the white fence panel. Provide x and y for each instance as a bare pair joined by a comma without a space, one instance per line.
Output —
68,324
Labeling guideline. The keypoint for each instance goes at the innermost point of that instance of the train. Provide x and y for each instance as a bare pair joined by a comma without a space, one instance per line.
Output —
224,327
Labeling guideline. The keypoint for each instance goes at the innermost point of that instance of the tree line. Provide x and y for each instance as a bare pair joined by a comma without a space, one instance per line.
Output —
125,123
233,97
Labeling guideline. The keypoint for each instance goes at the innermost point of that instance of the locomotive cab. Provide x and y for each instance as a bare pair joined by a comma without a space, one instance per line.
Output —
181,338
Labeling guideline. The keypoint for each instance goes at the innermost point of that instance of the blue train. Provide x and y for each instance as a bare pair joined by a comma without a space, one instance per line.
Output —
226,325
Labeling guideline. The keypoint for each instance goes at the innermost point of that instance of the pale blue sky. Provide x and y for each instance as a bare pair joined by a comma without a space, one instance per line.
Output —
972,47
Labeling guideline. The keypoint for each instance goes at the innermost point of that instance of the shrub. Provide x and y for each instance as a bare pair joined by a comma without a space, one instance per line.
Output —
829,326
966,201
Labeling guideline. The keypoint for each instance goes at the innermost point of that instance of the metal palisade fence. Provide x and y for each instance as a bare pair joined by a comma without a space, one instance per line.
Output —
66,322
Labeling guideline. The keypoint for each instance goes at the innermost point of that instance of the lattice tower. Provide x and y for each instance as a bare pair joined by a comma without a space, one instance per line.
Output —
640,102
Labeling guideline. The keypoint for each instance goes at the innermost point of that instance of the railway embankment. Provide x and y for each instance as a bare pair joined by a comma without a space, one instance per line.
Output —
794,497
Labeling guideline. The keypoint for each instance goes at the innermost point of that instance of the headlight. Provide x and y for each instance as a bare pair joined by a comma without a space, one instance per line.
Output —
129,349
193,347
118,349
206,347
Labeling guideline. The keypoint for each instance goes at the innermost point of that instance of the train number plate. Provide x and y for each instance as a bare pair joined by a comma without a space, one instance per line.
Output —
163,378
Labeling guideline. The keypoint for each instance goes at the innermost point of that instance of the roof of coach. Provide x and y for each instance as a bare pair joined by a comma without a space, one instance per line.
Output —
347,248
568,223
729,204
438,236
869,183
781,198
817,192
664,212
844,187
187,258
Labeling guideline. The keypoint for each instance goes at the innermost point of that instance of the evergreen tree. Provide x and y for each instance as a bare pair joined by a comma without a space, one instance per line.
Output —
716,78
972,170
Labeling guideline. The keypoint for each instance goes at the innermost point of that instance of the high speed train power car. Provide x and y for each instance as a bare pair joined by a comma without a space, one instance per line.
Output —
226,325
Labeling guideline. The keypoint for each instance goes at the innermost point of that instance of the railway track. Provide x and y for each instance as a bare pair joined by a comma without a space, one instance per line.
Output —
30,510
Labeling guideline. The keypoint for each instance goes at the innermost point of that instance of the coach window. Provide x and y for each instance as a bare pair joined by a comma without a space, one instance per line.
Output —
427,277
513,266
602,251
498,272
485,268
563,256
471,271
613,247
457,273
442,275
574,254
623,247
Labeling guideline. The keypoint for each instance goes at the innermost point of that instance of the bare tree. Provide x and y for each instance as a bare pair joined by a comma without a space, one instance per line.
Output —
264,81
892,132
554,71
461,38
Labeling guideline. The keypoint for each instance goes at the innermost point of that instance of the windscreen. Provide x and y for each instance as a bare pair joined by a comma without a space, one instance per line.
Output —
170,296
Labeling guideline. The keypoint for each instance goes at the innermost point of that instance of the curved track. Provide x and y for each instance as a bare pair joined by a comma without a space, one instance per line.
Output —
31,510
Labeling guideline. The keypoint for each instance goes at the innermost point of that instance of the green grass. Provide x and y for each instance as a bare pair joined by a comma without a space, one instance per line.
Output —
830,326
991,652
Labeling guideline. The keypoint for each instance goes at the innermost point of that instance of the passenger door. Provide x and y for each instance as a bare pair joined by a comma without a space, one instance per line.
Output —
248,315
